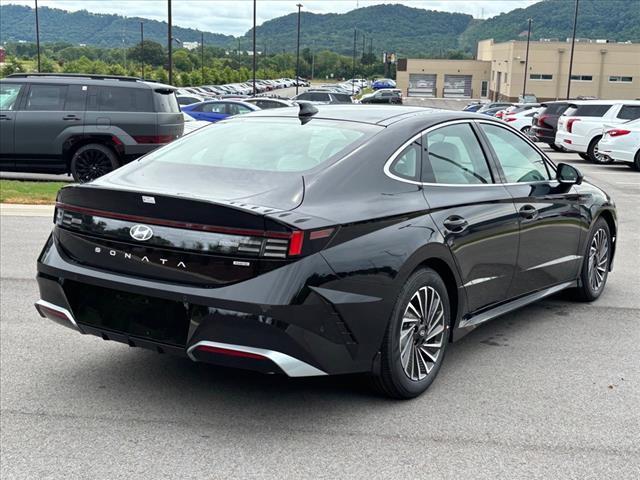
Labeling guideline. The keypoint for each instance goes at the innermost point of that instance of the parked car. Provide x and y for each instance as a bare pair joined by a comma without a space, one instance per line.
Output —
473,107
320,97
86,125
521,120
491,111
189,99
546,123
216,110
621,143
191,124
266,103
383,83
493,105
324,240
386,95
580,126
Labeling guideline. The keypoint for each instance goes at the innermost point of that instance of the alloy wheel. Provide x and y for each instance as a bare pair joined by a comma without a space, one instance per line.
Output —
598,259
92,164
422,333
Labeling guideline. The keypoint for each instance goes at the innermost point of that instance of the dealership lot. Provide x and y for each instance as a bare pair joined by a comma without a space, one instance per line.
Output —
546,392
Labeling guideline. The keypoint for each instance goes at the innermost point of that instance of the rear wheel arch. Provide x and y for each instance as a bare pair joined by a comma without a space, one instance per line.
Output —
72,144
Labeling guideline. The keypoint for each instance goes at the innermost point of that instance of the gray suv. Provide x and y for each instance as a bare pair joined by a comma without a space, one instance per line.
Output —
86,125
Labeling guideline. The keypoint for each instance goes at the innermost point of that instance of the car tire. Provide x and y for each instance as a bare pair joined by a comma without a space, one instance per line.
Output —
413,348
636,161
584,156
526,131
592,152
595,263
92,161
556,147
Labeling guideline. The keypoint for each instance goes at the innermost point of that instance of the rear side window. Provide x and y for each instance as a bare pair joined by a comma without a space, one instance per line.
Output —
454,156
342,97
9,95
119,99
237,109
588,110
629,112
519,161
46,97
166,101
407,164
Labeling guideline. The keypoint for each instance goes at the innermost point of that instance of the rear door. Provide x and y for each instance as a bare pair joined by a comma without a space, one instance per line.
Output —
9,101
170,118
51,113
124,111
548,212
475,214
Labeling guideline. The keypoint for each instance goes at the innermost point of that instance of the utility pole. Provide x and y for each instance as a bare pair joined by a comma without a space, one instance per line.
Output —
526,63
254,48
573,44
170,42
202,57
299,5
353,73
38,35
142,48
364,43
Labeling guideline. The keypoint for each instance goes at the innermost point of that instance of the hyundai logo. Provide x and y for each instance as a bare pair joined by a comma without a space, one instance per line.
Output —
141,232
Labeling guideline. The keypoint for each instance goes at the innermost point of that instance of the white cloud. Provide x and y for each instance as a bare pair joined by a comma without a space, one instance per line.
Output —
235,17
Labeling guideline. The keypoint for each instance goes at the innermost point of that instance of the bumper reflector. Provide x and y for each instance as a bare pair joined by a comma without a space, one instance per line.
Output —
57,314
288,364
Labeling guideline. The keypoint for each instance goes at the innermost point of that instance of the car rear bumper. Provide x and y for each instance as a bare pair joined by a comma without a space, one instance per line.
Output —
570,141
610,149
545,135
273,324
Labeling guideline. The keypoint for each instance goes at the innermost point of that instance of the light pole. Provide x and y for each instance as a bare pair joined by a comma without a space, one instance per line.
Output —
170,42
299,5
353,73
573,44
254,48
526,63
142,48
38,35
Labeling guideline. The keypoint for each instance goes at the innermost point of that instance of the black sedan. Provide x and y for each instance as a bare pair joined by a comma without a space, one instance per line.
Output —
313,241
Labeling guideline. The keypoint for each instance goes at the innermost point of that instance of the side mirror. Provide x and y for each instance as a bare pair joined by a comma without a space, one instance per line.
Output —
568,174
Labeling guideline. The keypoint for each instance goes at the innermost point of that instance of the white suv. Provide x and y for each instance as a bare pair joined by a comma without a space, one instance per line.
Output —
580,127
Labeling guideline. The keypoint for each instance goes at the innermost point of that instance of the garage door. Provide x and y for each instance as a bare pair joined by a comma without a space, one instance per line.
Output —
457,86
422,85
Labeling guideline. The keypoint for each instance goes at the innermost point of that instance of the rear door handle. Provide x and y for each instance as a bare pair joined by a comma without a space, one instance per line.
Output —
528,212
71,117
455,223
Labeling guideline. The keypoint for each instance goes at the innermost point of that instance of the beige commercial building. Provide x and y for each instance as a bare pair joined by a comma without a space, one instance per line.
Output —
600,69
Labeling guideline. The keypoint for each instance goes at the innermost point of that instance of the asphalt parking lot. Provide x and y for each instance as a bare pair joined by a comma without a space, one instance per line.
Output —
550,391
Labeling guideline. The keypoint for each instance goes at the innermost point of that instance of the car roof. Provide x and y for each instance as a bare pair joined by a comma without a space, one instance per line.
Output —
88,79
602,102
373,114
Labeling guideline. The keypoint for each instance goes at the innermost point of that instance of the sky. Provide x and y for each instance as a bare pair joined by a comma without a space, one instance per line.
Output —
235,17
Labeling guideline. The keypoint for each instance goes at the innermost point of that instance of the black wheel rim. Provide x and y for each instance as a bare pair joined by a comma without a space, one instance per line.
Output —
92,164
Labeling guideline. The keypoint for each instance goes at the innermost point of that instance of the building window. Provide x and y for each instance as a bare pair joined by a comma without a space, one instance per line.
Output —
582,78
483,89
618,78
541,76
505,78
493,75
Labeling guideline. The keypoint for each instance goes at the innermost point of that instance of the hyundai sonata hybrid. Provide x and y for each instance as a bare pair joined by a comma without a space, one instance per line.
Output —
325,240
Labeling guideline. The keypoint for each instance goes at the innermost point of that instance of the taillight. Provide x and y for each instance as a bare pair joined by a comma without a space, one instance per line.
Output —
509,119
295,243
617,132
570,123
541,120
154,138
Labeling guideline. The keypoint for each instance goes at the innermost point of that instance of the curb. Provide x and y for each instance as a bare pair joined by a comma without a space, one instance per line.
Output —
19,210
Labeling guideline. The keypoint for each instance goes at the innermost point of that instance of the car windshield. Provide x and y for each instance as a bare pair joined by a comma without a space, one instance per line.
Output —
273,144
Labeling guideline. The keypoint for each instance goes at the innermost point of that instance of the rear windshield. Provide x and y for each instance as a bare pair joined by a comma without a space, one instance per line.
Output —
555,108
166,101
589,110
266,144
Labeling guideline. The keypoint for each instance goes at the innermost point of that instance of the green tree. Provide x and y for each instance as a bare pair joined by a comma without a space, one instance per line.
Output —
154,54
